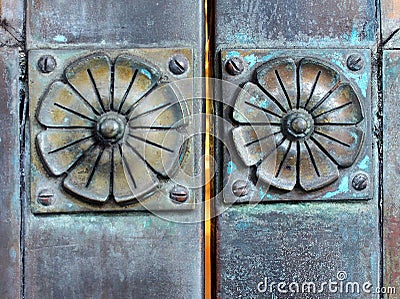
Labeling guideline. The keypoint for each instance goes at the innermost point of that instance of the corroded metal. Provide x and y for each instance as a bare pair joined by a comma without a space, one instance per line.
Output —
391,158
287,24
110,132
360,181
46,64
83,249
10,201
314,114
94,127
390,20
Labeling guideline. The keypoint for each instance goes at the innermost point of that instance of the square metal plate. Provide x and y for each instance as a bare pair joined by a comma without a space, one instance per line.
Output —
57,79
354,181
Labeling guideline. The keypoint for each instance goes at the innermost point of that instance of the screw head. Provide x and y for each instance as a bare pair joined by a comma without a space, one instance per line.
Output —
299,125
110,127
234,66
179,194
360,181
178,64
240,188
45,197
355,62
46,64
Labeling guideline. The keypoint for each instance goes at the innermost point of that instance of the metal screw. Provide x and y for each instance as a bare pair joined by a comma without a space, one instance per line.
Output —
178,64
355,62
46,197
360,182
234,66
179,194
46,64
240,188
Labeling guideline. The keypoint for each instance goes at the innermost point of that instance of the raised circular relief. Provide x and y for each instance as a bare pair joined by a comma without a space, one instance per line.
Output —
313,123
110,129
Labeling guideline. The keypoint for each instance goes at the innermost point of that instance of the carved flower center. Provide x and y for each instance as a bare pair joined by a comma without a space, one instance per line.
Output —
297,124
111,127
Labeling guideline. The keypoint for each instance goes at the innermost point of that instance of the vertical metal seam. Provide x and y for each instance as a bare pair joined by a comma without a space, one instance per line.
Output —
23,112
209,265
379,78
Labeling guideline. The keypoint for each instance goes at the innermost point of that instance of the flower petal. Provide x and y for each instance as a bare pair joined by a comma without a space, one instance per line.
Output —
90,179
341,142
255,107
132,178
253,143
62,107
160,149
316,81
91,77
154,104
60,149
279,80
132,80
162,117
316,169
341,107
280,170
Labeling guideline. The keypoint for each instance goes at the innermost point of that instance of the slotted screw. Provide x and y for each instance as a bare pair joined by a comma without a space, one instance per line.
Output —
355,62
45,197
234,66
240,188
46,64
178,64
179,194
360,182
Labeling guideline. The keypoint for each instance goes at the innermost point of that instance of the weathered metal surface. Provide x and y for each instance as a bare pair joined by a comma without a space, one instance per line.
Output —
10,206
297,243
285,237
109,138
390,23
318,118
112,256
119,24
302,124
124,253
307,23
11,23
391,158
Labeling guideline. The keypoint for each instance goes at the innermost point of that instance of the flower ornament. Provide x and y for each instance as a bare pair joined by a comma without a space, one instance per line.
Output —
298,124
110,128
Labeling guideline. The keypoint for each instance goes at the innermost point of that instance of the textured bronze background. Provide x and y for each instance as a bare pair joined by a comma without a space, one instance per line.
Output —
299,240
80,157
391,204
11,107
117,25
10,204
341,98
390,23
113,254
286,23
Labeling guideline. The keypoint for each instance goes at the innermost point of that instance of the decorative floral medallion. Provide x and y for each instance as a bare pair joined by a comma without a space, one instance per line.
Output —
110,128
307,115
